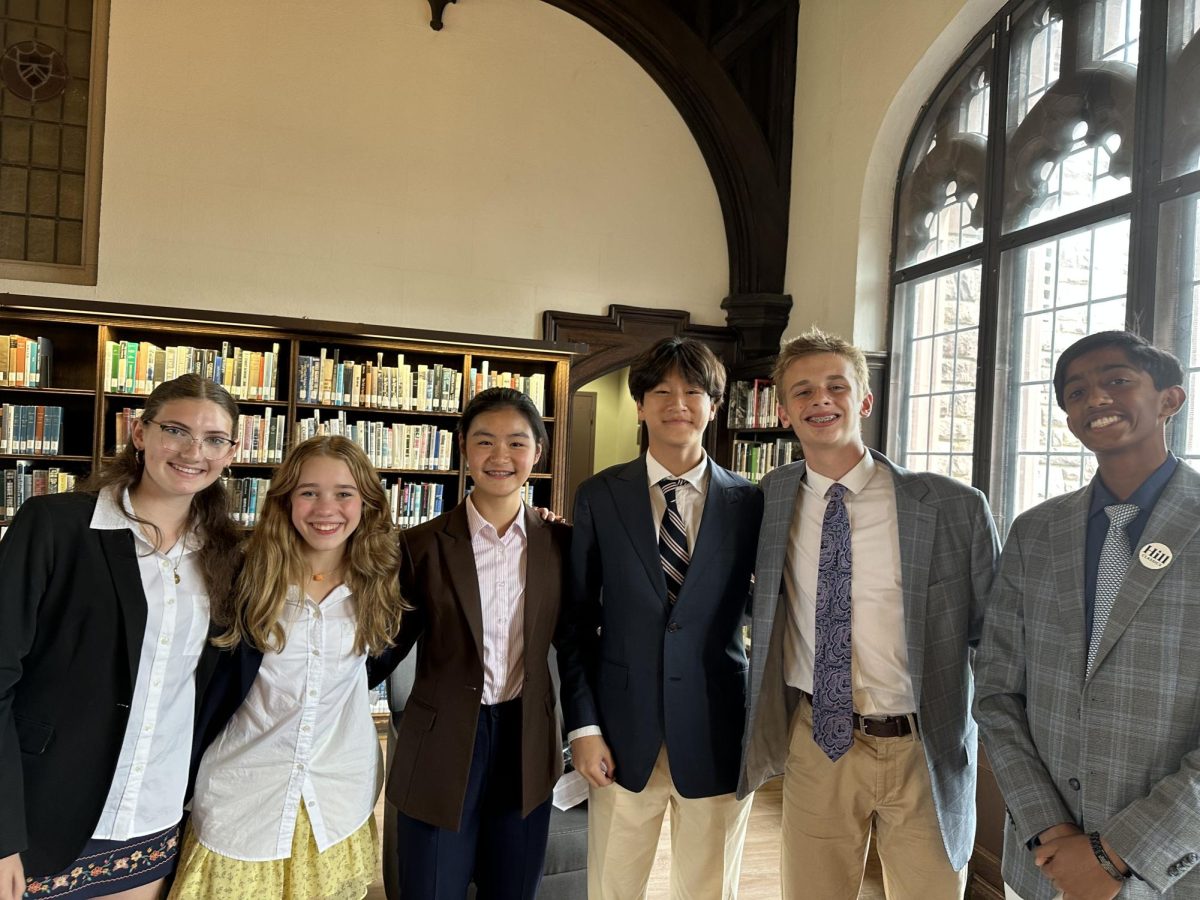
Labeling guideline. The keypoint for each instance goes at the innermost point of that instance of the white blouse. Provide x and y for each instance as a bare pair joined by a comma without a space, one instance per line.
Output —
304,734
146,794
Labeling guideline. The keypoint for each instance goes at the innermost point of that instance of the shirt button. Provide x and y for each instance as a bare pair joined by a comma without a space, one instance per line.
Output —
165,641
170,601
139,769
299,767
157,682
316,652
146,729
305,728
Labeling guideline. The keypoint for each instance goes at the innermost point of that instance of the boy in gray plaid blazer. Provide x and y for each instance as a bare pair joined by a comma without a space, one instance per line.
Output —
1088,674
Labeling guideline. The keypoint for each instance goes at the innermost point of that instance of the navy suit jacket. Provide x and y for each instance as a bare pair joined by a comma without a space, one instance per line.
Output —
648,673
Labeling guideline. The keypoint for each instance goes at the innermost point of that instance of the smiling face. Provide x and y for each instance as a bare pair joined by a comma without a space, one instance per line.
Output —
676,412
821,401
501,451
1114,408
185,472
326,506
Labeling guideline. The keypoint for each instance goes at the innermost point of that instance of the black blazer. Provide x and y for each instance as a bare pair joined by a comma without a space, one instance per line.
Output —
72,617
436,742
647,672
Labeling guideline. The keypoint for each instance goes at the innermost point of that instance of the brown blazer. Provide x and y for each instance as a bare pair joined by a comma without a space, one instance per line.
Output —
428,779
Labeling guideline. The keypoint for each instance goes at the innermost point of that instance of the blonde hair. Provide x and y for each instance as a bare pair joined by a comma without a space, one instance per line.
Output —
275,560
817,341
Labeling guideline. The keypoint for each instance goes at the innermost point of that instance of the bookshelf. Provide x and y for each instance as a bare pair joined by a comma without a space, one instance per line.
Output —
397,392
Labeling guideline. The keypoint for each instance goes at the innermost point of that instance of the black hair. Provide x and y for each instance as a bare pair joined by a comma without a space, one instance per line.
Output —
694,361
1161,366
503,398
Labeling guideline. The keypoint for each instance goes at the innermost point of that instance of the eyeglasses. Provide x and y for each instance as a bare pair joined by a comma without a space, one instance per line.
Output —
179,440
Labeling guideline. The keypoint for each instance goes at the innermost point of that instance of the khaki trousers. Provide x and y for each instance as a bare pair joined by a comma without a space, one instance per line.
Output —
830,810
1010,894
707,835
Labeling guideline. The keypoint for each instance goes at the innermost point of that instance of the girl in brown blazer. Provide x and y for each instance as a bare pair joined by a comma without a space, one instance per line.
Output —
479,748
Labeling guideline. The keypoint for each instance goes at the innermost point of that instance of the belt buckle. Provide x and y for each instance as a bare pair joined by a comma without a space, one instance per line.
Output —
869,721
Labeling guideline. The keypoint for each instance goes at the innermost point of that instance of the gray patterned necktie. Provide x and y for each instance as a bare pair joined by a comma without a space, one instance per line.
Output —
833,697
1115,557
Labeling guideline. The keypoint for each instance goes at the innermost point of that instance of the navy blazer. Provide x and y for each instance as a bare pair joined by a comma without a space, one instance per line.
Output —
72,617
648,673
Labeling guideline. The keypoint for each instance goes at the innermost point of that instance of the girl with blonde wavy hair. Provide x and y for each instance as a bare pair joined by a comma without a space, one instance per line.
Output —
284,795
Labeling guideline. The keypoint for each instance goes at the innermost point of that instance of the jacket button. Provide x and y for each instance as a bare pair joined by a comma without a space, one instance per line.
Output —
1074,783
674,626
1191,858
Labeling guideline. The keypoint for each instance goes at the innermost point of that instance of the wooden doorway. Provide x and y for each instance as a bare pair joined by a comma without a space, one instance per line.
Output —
581,451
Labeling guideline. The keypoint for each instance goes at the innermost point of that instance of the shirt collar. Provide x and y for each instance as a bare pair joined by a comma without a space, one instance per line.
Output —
854,481
110,515
695,476
1144,497
477,523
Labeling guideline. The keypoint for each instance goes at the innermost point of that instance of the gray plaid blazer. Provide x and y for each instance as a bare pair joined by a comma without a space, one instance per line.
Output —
948,552
1119,752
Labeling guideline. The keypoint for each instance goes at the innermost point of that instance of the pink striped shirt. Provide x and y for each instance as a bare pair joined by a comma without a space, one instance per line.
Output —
500,572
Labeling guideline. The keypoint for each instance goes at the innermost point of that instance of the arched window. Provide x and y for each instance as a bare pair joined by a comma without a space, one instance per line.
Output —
1049,190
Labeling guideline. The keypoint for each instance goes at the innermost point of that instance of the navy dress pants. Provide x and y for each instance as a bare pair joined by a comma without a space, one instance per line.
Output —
501,851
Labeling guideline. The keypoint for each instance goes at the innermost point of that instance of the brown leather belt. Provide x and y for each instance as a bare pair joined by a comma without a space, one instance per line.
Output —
879,726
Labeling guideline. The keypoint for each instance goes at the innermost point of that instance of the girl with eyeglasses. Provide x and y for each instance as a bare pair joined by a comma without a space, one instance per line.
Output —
285,794
106,598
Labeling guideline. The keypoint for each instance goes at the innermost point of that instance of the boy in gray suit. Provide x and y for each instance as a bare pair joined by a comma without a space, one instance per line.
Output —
869,594
1089,670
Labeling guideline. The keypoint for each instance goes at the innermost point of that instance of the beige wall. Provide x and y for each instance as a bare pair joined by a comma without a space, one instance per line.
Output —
293,158
864,68
616,419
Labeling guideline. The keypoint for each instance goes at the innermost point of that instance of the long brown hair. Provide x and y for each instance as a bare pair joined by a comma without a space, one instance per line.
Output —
208,513
275,557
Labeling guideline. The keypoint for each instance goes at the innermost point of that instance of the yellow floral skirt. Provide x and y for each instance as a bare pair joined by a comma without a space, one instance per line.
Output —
343,872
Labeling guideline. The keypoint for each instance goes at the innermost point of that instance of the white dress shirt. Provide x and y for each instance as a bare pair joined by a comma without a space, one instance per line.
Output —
879,648
500,574
689,498
304,734
148,784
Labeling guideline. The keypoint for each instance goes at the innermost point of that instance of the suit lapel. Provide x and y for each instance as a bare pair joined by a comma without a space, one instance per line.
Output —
715,521
918,526
1174,523
455,541
121,554
631,495
537,575
1068,538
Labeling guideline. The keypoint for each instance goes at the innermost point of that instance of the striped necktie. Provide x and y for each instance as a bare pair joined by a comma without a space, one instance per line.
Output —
672,540
1115,557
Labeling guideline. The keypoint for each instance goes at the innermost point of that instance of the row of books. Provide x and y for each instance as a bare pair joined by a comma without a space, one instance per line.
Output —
752,404
389,445
25,362
34,430
754,459
138,367
414,502
533,386
24,481
245,496
327,378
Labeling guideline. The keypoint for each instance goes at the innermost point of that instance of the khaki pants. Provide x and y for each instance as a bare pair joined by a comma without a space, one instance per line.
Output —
830,810
707,835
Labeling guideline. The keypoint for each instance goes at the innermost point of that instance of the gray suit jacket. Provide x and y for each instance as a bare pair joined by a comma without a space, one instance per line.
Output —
948,551
1119,752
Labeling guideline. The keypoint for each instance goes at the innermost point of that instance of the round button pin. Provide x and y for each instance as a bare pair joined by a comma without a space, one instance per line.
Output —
1155,556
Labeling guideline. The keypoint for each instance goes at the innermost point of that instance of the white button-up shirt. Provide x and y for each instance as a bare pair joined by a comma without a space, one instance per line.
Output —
147,789
878,637
304,734
500,574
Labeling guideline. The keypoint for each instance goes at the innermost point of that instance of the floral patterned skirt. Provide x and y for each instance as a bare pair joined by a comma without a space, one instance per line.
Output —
109,867
343,872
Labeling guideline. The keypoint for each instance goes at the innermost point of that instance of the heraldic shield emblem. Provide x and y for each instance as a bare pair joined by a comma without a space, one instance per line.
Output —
33,71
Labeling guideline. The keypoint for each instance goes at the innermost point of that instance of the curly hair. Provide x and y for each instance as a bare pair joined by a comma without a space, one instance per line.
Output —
274,559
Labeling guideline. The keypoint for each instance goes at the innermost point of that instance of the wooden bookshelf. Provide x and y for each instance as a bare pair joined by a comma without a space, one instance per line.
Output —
85,336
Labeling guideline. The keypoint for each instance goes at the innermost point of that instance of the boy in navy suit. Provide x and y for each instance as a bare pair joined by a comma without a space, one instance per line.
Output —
651,652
